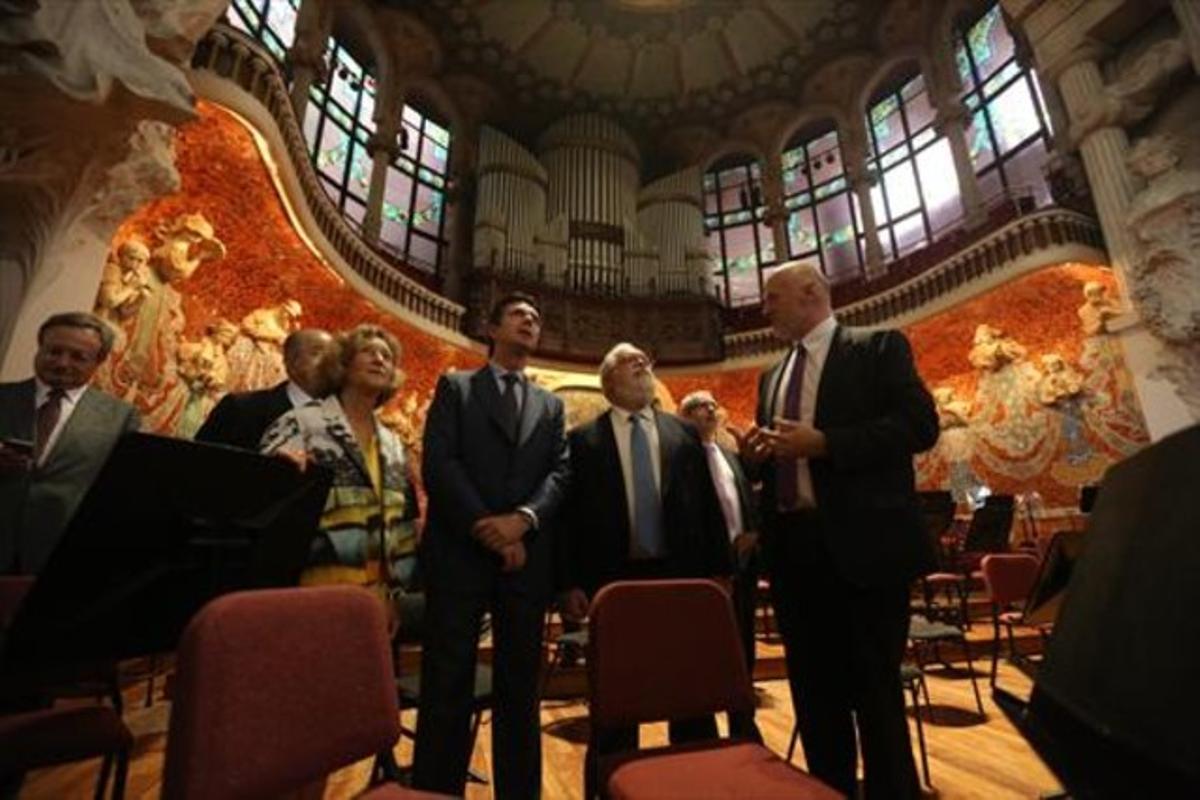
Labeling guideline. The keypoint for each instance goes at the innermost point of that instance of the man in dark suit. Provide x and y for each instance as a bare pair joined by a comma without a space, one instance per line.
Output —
241,418
740,512
55,434
839,420
640,506
494,466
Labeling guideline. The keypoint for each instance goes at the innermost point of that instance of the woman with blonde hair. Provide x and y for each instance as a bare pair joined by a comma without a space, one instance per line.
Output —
367,535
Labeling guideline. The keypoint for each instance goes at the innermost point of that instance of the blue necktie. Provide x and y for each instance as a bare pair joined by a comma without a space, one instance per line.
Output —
647,510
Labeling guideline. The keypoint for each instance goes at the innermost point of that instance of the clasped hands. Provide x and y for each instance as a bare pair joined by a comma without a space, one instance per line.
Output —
503,534
786,439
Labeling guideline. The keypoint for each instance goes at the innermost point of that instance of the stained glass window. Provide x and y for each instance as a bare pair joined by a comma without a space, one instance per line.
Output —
916,194
272,22
1008,128
414,198
740,242
820,222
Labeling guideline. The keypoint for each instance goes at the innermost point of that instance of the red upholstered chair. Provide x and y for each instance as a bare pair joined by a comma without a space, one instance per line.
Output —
1009,578
277,688
670,650
50,736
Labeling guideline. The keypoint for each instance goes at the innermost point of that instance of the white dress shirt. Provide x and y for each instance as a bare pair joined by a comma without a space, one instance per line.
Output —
725,482
69,401
621,430
298,397
816,348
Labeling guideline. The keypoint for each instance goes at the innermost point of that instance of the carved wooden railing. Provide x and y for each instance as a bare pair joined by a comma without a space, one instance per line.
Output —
901,292
232,55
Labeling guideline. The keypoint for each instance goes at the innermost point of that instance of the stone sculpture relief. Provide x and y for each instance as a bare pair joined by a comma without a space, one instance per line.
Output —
1097,309
1164,278
992,350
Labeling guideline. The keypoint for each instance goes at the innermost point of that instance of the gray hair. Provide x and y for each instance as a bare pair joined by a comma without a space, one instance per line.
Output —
84,320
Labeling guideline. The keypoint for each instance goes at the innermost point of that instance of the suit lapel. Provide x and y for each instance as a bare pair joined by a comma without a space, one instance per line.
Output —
831,375
483,386
767,402
84,415
610,468
531,411
668,443
739,480
19,414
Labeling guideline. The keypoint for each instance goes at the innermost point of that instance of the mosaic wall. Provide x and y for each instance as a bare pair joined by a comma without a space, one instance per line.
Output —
204,285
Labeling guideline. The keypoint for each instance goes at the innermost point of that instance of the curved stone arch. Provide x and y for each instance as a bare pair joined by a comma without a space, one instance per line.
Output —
944,33
428,95
361,19
810,114
884,68
729,147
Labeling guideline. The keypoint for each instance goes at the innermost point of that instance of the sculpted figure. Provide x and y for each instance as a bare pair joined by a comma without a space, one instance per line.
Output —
1098,308
126,282
992,349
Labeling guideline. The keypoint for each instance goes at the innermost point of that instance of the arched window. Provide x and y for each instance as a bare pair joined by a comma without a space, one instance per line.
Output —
1008,134
272,22
821,223
338,121
916,192
739,241
414,201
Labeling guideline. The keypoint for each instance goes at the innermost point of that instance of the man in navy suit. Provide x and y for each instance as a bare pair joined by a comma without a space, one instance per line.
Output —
641,506
839,420
56,432
494,466
241,418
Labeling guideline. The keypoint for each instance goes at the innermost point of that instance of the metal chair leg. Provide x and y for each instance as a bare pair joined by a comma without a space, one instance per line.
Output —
995,644
971,670
118,792
106,766
792,744
915,687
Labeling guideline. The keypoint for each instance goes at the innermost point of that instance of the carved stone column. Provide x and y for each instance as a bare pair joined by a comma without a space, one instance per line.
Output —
854,157
460,206
949,123
383,147
1164,279
306,58
775,213
1103,145
116,75
1188,14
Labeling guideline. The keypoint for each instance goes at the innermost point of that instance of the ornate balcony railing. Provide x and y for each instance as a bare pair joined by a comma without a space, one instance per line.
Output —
236,57
942,268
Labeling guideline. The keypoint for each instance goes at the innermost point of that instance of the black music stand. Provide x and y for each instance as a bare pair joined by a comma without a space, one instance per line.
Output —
1054,574
1114,707
168,525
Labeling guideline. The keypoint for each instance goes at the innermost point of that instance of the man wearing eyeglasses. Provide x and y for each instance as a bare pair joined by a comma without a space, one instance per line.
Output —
640,505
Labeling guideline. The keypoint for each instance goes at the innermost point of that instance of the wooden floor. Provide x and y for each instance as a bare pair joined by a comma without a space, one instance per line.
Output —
969,757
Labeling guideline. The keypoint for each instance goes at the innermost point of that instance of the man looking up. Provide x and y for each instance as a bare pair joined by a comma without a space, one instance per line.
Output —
494,465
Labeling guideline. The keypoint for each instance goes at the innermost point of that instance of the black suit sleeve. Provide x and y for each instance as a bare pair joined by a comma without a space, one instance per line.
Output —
217,427
907,423
548,496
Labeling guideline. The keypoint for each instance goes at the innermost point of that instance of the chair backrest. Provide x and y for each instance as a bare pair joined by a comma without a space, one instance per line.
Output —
277,688
13,589
664,650
937,515
1009,577
991,526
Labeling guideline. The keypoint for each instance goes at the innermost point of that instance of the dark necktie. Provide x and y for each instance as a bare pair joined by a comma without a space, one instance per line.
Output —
787,470
508,404
647,510
48,414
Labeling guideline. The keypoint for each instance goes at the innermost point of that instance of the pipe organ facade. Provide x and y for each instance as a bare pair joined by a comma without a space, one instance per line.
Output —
575,216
